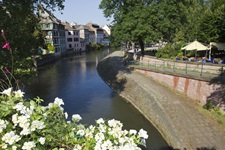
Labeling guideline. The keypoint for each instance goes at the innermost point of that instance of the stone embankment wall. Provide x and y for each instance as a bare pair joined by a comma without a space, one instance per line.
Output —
140,93
202,90
175,116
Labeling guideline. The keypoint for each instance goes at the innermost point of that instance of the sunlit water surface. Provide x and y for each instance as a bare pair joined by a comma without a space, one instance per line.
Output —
76,81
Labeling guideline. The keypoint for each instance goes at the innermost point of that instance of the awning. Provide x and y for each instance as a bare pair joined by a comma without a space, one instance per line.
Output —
195,46
220,46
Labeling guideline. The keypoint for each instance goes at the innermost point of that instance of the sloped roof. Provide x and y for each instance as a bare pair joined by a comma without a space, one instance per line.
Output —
67,26
45,13
93,25
80,27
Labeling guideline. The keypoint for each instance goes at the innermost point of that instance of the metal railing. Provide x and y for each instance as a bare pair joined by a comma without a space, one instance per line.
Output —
199,70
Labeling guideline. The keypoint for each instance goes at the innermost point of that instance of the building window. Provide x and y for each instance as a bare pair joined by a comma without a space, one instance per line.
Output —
75,32
55,41
70,46
55,33
47,25
76,39
69,33
69,39
54,26
56,49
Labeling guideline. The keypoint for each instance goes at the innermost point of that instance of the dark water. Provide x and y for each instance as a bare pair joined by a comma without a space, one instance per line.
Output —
76,81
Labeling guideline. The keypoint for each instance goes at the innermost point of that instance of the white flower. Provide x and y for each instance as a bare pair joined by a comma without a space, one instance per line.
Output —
143,134
15,119
37,125
81,132
22,109
97,146
133,132
7,92
107,145
45,115
25,131
10,138
77,147
42,140
4,146
61,108
89,131
124,132
19,94
99,137
3,124
122,140
102,128
100,121
14,147
28,145
58,101
115,123
50,105
76,117
24,121
129,146
28,111
66,115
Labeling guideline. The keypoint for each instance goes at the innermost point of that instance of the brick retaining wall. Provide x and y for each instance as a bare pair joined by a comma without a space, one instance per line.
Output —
195,89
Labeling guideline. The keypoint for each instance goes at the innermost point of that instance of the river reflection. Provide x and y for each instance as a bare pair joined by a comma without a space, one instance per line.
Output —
76,81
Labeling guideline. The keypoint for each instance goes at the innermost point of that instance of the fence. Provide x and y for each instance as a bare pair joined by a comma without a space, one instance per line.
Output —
196,69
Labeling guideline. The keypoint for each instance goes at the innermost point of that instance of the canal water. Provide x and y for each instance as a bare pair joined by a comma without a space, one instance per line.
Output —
76,81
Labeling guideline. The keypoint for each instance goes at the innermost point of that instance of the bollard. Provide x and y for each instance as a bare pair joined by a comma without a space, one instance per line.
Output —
186,69
174,67
221,73
201,70
163,65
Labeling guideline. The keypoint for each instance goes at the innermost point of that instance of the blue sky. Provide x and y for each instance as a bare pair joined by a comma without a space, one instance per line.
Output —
82,12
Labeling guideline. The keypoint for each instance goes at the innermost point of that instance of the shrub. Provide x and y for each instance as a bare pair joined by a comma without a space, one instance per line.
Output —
28,125
170,51
208,105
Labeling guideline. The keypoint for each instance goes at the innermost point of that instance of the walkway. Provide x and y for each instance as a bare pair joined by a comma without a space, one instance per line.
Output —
179,122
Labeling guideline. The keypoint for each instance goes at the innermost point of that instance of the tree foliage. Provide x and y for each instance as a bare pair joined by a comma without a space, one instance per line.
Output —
146,21
21,27
131,20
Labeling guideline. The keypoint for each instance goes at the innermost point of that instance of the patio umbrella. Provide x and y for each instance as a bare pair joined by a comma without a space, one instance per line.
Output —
197,46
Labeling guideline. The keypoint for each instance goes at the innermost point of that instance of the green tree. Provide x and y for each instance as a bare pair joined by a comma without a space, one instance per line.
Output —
212,25
131,21
148,21
20,24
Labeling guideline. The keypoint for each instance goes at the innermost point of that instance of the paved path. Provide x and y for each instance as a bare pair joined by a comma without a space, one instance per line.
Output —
197,131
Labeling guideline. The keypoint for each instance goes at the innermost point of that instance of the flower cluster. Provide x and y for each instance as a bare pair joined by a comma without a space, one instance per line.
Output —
27,125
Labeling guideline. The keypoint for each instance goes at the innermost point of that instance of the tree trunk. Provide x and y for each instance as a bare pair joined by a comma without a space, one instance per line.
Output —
141,43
